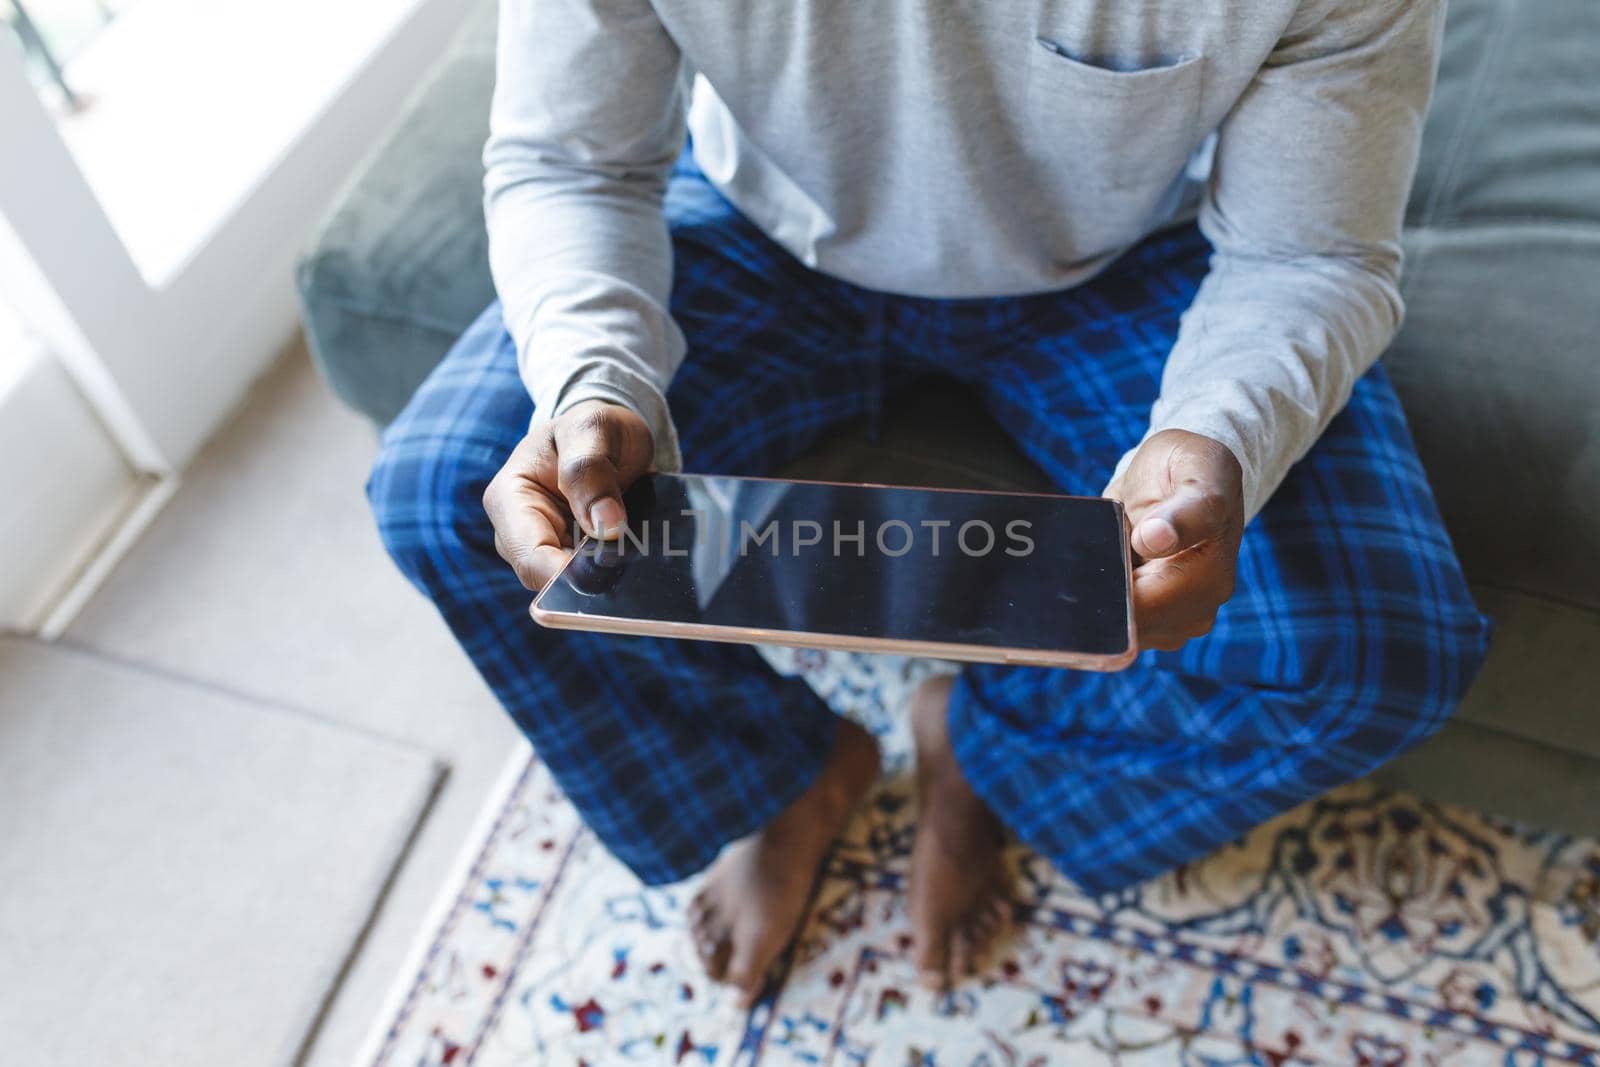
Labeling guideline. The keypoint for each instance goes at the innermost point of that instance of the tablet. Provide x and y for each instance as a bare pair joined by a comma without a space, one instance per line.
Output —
1020,578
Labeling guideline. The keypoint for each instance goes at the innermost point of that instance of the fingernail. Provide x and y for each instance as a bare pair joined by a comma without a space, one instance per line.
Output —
605,517
1159,535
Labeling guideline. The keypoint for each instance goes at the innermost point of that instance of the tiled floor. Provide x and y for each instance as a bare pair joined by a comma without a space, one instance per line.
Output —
263,585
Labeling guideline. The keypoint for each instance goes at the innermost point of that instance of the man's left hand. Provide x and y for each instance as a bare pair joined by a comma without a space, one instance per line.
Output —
1184,497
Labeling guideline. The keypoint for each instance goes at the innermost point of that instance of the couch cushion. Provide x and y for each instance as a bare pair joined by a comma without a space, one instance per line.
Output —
401,267
1542,673
1503,774
1499,371
1497,363
1514,129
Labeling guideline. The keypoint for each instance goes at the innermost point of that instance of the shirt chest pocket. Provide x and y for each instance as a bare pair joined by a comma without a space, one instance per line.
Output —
1104,129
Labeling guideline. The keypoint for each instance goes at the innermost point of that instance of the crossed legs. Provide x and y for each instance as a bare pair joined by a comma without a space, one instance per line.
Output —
1351,638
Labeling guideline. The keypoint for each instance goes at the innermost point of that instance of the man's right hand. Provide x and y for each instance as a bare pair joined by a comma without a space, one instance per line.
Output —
574,466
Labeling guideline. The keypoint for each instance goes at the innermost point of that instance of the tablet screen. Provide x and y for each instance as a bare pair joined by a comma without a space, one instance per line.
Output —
854,562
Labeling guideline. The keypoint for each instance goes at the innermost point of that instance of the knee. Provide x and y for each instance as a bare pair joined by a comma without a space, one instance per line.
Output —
427,500
1384,685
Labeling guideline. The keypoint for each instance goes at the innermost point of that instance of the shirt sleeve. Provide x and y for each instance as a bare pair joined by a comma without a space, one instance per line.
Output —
1304,207
586,124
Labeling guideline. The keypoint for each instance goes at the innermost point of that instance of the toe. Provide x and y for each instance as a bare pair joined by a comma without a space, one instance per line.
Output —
702,915
746,991
931,925
931,956
962,953
705,932
714,952
989,921
746,970
989,928
711,942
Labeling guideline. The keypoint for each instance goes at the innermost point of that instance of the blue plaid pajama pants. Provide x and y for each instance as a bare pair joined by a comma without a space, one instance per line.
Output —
1350,637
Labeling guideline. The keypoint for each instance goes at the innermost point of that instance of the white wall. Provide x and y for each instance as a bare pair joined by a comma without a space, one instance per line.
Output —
65,484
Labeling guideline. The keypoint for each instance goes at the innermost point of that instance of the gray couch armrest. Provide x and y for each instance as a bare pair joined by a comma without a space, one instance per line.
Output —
401,266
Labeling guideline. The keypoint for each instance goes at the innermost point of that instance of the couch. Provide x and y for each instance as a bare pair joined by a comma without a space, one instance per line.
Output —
1498,364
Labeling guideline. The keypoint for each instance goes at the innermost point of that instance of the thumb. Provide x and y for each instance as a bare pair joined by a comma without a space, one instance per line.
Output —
1190,516
601,450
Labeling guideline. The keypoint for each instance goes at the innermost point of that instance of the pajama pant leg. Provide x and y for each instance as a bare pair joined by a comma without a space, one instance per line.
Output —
669,749
1350,637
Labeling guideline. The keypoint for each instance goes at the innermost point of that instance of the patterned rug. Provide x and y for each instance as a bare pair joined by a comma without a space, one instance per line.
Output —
1364,928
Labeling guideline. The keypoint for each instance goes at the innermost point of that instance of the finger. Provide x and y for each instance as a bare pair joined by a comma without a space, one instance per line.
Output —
528,526
1191,516
1171,639
1176,599
536,565
599,453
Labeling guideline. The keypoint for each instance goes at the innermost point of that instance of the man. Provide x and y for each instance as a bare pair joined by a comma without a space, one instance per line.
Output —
997,191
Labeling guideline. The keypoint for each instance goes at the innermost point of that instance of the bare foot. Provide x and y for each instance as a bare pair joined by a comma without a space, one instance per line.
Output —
756,891
958,901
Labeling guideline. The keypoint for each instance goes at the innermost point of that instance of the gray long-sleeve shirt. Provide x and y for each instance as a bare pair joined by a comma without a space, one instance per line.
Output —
958,148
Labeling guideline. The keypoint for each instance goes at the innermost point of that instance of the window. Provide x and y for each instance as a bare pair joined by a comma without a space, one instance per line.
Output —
52,32
160,174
